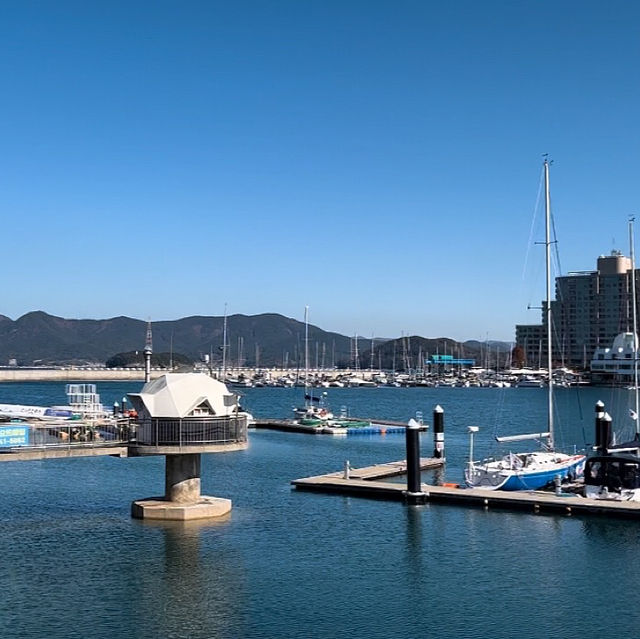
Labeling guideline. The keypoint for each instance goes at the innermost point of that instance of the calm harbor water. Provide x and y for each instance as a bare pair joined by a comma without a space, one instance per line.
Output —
300,565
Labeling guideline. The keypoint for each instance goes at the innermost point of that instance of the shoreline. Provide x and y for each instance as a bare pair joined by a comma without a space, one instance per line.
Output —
73,375
137,374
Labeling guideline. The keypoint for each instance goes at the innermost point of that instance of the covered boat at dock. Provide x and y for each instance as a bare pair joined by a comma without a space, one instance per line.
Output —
613,477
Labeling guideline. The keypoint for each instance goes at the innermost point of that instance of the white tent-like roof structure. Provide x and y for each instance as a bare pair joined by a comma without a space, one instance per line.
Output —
182,395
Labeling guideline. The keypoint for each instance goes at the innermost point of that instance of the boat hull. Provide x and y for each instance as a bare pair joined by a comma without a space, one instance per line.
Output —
498,476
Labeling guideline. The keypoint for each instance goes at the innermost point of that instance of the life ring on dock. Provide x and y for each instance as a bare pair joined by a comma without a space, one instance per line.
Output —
450,485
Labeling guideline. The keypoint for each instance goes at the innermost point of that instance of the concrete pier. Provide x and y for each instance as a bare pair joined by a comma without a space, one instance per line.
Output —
182,416
182,499
182,478
161,509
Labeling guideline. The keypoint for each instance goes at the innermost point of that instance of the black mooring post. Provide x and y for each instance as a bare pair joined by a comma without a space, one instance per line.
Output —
414,492
606,438
438,432
599,416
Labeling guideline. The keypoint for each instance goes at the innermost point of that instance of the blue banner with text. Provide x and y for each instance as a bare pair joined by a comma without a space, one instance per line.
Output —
14,436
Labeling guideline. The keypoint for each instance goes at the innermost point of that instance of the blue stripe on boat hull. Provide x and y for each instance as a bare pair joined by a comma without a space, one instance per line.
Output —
535,480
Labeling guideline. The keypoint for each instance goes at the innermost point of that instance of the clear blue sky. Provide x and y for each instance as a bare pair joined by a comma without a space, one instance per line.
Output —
378,161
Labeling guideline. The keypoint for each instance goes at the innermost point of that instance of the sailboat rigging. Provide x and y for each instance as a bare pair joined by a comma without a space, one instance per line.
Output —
529,471
310,413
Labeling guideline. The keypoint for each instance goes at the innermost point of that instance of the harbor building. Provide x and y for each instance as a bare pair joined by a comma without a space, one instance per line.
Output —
181,416
590,309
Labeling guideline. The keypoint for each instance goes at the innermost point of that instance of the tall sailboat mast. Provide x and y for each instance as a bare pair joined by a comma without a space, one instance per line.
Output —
527,471
547,243
306,352
634,314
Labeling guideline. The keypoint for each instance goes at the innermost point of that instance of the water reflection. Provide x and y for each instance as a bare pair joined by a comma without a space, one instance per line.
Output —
197,590
620,533
414,515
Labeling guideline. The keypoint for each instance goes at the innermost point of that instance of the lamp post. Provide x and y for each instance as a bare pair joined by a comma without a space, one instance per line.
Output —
472,430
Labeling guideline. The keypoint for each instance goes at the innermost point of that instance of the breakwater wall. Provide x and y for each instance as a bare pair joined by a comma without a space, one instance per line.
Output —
137,374
72,375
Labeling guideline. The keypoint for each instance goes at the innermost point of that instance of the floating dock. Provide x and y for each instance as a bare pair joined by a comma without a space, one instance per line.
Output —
376,427
364,483
389,469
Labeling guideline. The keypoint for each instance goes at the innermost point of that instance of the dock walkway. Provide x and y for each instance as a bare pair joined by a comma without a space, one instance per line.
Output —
389,469
364,485
64,452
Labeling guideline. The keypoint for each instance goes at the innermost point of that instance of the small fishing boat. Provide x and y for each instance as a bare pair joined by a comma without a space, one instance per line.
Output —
613,473
314,412
531,470
312,415
528,381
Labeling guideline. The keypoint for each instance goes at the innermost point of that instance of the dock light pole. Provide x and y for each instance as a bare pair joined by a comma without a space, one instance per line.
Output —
472,430
438,432
414,494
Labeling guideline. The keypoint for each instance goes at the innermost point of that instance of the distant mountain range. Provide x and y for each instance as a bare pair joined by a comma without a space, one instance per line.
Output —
267,339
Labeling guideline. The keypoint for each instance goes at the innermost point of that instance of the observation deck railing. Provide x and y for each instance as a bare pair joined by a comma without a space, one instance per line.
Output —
17,436
194,431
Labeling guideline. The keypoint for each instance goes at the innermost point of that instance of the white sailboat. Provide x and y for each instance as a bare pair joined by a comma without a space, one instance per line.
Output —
533,470
311,413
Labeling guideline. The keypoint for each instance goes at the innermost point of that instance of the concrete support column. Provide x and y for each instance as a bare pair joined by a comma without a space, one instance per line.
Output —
182,478
182,499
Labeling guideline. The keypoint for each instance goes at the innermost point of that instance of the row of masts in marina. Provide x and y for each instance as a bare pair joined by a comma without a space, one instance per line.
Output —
376,378
402,357
322,357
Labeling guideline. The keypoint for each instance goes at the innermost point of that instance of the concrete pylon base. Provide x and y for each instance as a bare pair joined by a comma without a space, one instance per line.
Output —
159,508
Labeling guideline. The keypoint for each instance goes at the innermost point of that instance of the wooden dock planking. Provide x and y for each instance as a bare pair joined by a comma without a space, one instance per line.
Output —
391,469
533,502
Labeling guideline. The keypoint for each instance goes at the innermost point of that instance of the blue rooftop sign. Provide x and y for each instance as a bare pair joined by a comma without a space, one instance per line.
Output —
450,359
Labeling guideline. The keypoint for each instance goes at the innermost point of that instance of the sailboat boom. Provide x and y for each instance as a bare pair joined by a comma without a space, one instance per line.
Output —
522,438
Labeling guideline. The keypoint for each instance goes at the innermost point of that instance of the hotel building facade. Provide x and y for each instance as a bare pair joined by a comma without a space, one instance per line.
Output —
591,308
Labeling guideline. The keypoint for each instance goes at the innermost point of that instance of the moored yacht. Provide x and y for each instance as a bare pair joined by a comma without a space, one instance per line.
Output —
530,470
